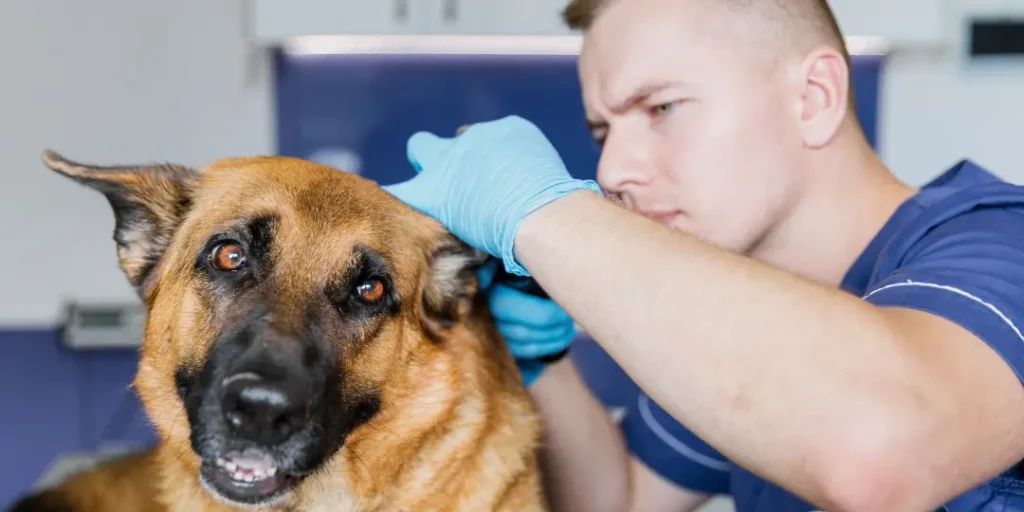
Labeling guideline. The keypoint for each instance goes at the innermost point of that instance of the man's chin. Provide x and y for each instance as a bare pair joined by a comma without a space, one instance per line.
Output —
247,481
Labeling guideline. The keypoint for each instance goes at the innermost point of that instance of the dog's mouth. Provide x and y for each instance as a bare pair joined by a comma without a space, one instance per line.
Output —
247,480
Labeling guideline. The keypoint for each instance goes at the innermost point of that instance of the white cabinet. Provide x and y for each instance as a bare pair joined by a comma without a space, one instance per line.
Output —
497,17
274,21
901,22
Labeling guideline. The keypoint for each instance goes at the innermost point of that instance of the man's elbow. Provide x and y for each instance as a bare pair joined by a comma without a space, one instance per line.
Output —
878,471
866,486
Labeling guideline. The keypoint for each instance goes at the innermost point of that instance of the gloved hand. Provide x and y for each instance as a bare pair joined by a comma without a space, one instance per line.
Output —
533,327
482,183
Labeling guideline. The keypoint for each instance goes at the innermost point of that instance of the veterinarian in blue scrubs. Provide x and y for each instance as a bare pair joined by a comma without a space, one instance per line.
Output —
809,332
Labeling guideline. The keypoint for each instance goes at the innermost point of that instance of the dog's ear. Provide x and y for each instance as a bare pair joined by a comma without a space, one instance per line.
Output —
149,203
450,286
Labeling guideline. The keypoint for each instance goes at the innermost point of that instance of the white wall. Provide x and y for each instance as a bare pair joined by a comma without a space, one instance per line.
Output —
939,107
122,81
109,81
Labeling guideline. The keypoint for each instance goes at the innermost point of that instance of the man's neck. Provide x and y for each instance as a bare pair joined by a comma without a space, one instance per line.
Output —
851,198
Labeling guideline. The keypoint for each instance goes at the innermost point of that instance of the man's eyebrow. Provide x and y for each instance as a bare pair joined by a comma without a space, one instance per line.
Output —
638,95
641,93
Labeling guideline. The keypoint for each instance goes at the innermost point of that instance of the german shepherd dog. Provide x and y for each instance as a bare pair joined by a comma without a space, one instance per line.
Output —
311,343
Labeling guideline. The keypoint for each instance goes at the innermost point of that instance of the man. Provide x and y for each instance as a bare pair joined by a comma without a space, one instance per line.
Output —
829,337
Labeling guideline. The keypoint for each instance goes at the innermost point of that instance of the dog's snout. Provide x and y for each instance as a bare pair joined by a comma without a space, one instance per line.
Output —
265,411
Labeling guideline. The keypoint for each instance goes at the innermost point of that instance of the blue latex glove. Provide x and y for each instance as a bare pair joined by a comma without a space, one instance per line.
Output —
482,184
533,327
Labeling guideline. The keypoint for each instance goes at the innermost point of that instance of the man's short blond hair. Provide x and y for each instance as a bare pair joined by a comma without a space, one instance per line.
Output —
793,24
812,19
580,14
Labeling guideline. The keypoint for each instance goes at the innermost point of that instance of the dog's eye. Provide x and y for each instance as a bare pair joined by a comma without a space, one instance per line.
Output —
227,256
371,291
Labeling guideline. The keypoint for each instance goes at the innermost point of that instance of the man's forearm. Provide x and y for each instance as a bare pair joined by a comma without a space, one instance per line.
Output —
771,369
585,460
585,463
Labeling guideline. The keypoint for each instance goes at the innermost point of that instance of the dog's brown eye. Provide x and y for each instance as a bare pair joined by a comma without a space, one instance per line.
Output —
371,291
227,257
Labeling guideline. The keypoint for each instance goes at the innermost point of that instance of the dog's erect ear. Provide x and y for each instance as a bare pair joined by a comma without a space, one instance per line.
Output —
149,202
450,286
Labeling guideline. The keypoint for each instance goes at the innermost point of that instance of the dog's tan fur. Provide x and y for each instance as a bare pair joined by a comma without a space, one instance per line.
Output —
455,430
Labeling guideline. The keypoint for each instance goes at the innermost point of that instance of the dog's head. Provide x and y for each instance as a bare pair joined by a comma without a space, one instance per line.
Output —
283,297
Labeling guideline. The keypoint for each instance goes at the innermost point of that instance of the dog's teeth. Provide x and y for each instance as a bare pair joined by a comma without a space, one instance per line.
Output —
247,470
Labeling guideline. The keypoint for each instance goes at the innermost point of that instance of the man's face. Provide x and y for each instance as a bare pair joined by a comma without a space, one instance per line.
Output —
698,131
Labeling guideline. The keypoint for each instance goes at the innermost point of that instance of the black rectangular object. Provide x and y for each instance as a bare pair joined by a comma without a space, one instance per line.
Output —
1001,36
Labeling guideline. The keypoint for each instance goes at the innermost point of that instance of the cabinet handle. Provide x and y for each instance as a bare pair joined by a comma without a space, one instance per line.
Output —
401,12
451,10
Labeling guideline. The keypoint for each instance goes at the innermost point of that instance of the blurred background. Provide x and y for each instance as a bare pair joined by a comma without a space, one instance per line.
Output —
345,82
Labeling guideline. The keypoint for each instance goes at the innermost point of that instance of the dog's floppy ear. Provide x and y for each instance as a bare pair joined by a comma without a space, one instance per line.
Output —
149,202
450,286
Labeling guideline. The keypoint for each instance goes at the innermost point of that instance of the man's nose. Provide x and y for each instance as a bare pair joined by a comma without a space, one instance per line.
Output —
264,410
623,163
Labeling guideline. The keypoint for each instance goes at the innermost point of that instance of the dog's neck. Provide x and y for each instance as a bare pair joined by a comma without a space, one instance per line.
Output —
459,407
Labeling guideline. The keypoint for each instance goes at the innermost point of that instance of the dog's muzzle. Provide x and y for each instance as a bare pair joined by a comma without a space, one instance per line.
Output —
261,418
267,413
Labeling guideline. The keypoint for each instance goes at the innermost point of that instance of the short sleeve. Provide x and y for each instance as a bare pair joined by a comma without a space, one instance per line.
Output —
969,270
672,451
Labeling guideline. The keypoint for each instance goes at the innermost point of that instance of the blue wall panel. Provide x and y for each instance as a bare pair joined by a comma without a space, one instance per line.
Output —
371,104
57,401
867,79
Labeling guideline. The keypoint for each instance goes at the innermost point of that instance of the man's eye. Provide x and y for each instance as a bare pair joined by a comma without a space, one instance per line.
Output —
664,108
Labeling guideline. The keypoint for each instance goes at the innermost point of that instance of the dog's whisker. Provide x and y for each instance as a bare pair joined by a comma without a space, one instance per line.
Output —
358,458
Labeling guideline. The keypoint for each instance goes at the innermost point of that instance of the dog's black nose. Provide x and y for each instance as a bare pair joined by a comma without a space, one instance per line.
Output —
264,411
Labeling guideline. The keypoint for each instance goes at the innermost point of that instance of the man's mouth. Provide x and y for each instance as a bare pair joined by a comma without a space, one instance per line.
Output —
662,217
250,480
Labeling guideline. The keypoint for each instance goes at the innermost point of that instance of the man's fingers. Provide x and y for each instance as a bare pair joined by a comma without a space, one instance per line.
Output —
485,274
510,305
408,192
424,149
526,343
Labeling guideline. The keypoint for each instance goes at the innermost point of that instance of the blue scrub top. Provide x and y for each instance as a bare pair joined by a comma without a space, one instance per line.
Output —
954,249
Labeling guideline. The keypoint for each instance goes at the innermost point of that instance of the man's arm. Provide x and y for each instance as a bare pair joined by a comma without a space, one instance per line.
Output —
851,406
586,464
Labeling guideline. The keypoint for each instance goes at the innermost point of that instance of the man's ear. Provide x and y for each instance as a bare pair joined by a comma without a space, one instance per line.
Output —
451,285
825,95
149,203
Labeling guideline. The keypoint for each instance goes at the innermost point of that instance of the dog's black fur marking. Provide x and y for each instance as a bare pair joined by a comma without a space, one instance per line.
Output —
46,501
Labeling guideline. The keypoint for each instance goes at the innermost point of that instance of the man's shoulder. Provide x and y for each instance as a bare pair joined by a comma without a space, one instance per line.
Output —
965,207
964,173
961,256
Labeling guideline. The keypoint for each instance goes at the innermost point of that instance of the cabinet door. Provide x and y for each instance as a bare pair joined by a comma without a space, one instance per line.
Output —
275,20
498,17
